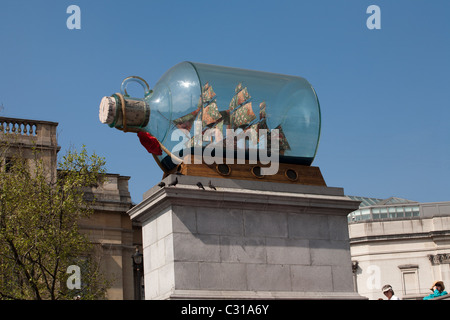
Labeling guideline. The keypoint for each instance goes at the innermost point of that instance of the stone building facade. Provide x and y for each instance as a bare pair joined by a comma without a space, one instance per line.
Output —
110,227
402,243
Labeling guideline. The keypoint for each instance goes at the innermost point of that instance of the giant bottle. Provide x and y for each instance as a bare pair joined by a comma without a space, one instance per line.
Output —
195,98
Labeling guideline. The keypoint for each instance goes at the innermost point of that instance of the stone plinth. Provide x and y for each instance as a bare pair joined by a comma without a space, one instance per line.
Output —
245,240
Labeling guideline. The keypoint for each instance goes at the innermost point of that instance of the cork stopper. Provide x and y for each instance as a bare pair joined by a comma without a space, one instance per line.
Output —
136,115
107,110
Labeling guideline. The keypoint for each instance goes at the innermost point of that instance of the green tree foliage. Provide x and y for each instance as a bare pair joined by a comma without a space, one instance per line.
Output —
39,233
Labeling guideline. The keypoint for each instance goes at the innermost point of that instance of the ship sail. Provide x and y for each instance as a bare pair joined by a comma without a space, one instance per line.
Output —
283,143
243,116
210,114
210,111
241,108
208,93
186,121
262,110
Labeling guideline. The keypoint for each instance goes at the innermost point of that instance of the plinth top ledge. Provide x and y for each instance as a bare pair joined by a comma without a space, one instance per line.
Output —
196,191
244,185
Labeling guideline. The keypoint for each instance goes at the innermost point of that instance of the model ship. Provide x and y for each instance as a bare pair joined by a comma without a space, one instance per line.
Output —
239,117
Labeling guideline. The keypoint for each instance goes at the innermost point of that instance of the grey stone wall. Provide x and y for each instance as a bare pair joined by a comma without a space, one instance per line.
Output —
197,247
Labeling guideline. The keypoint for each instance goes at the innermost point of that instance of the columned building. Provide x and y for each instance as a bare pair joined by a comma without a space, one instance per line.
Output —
110,227
399,242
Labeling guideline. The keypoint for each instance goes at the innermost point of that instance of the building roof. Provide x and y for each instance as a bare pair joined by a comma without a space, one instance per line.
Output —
390,208
367,202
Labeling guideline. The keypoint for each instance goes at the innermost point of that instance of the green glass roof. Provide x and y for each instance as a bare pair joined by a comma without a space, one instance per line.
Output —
390,208
366,202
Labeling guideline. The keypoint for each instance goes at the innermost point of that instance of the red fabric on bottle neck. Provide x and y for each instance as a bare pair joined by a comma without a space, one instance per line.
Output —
150,143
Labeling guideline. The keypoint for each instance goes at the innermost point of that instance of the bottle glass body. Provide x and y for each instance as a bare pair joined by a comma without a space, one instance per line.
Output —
195,98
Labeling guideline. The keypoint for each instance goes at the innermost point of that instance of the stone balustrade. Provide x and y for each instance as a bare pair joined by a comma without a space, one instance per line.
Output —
16,130
18,126
27,136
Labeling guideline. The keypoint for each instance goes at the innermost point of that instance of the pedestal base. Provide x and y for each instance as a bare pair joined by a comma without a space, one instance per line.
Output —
245,240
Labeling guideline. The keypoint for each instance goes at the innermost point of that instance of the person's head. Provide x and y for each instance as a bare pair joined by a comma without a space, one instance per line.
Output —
387,291
438,285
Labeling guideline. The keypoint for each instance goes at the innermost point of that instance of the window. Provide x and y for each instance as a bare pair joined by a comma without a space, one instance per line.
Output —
408,212
357,215
383,213
365,214
8,164
376,213
391,212
399,212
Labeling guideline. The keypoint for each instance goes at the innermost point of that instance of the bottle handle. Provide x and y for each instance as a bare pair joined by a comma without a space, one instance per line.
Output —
142,82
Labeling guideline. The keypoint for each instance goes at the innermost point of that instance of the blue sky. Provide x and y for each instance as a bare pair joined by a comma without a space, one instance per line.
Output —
384,94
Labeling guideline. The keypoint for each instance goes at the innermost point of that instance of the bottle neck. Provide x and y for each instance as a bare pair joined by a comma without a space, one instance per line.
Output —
124,113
